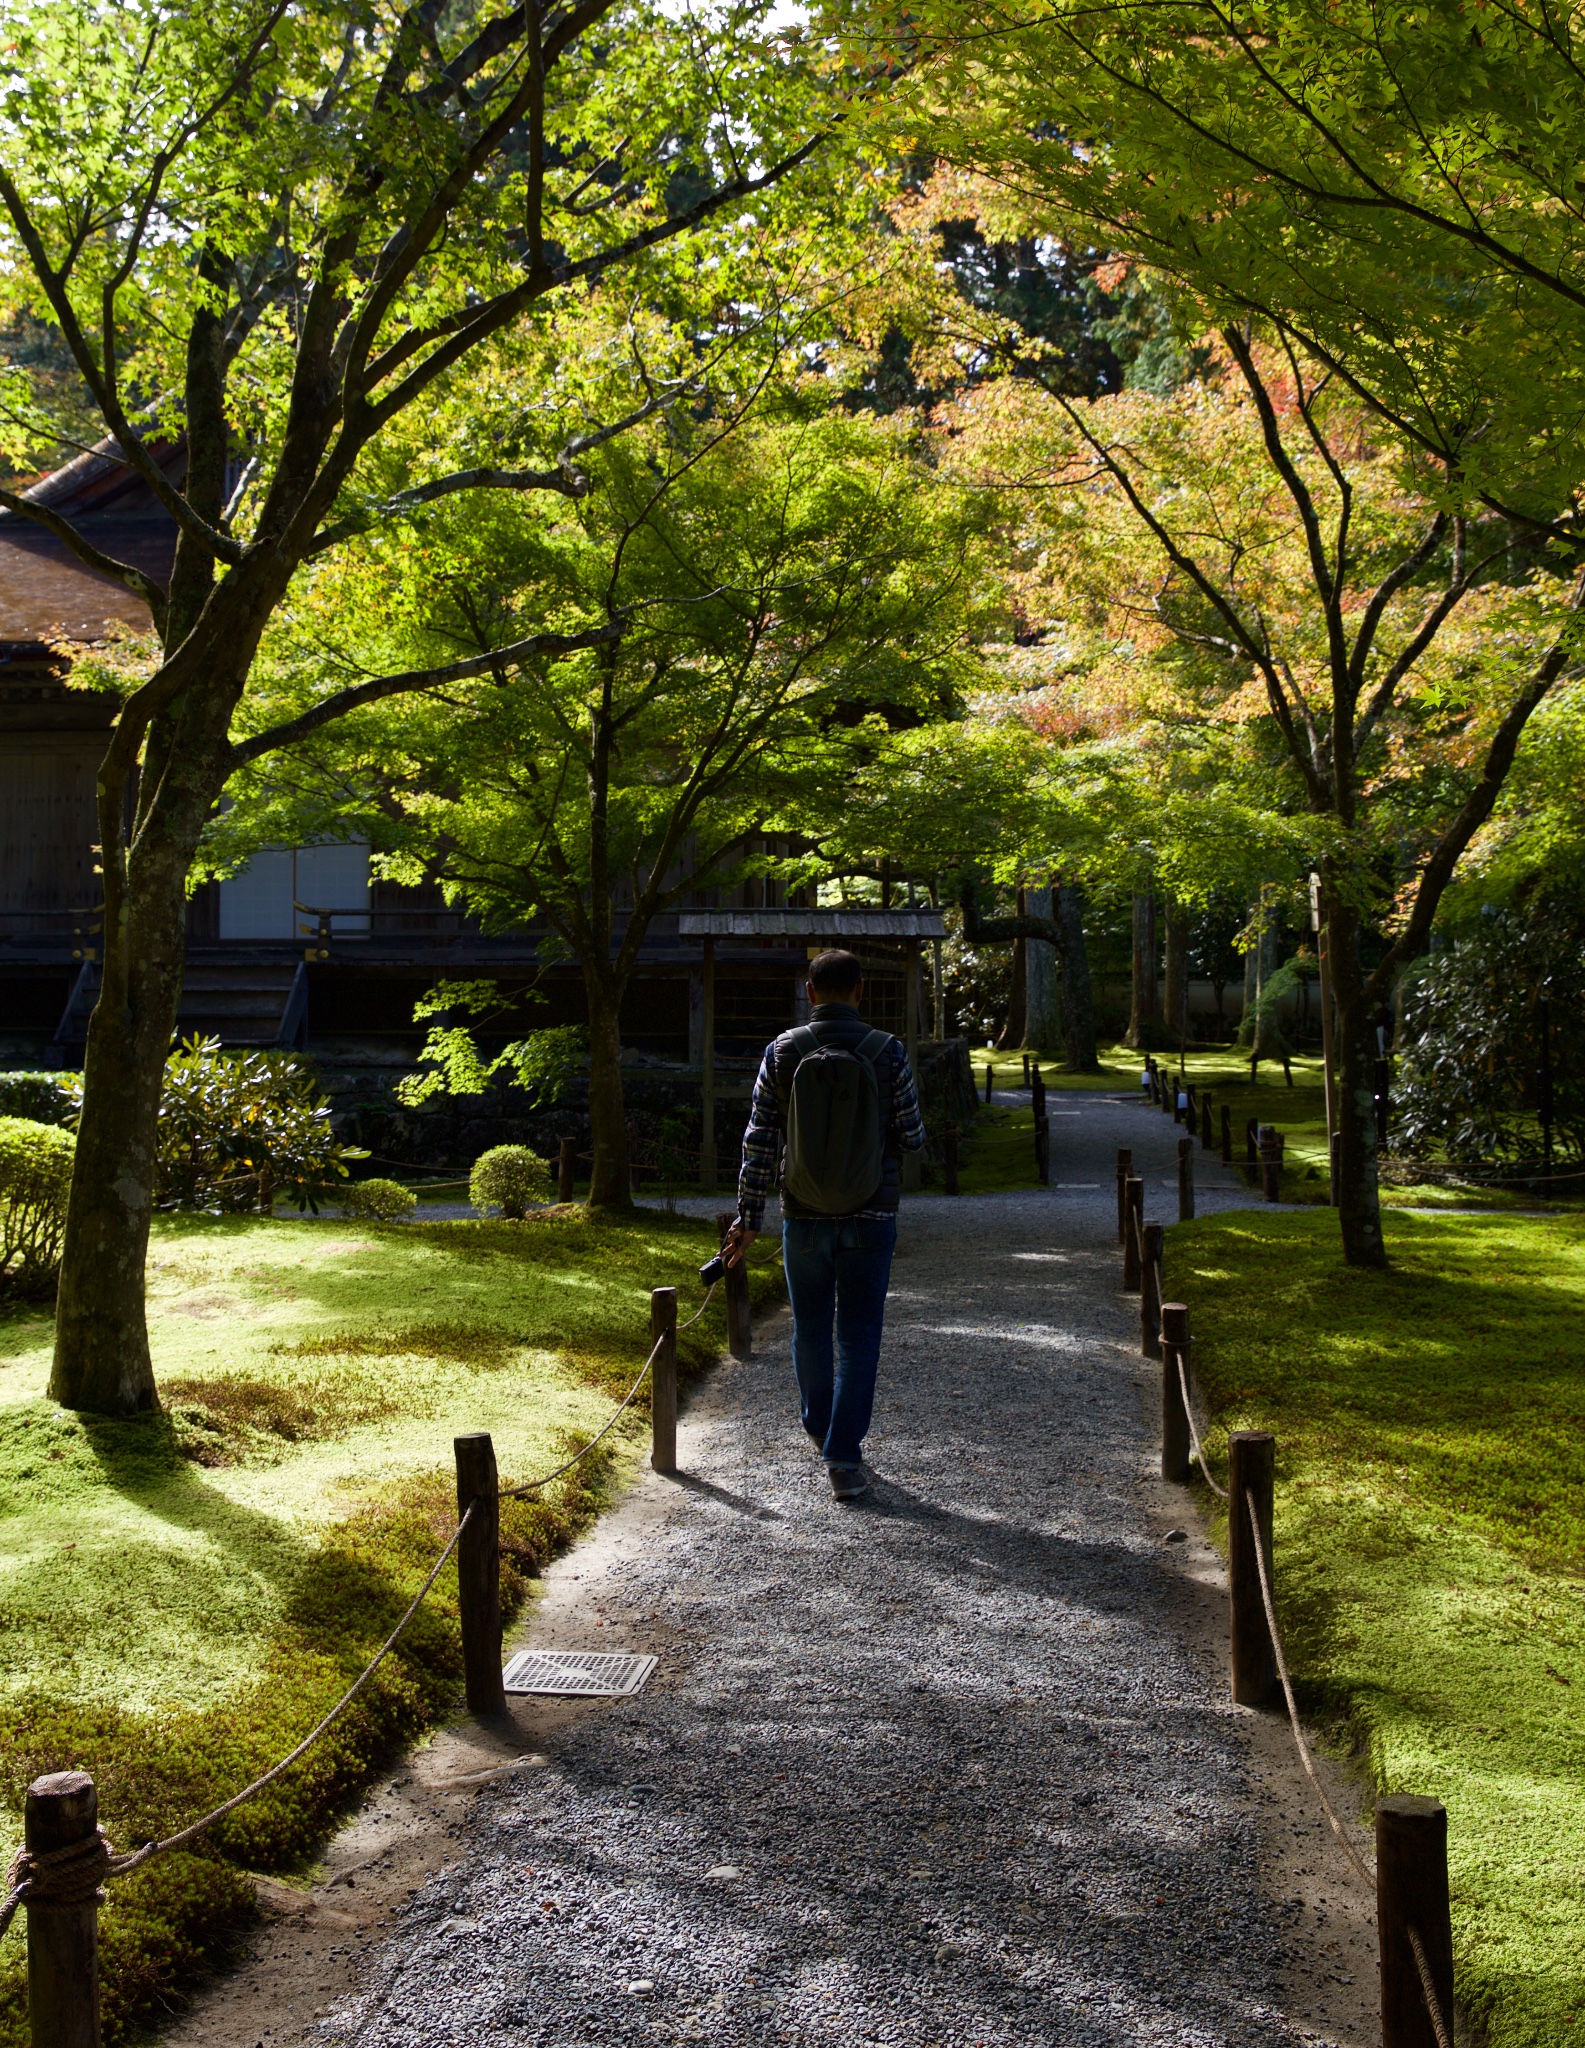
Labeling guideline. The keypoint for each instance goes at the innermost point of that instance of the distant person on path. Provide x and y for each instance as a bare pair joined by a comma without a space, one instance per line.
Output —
840,1098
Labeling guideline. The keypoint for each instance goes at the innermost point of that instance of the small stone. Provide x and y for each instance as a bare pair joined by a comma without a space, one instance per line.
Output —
1176,1536
724,1870
640,1985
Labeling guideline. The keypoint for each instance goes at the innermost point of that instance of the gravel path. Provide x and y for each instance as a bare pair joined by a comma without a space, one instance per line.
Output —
953,1766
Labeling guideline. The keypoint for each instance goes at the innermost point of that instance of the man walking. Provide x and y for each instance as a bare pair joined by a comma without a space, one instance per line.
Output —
840,1098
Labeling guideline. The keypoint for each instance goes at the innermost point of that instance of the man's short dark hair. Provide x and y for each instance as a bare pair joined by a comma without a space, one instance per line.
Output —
837,971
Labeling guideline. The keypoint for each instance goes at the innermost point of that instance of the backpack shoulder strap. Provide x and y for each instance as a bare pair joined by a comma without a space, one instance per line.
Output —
790,1052
872,1044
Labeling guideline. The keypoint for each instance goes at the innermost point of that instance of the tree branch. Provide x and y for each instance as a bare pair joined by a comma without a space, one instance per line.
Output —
487,319
567,483
1476,808
989,931
1419,641
1386,590
90,556
410,680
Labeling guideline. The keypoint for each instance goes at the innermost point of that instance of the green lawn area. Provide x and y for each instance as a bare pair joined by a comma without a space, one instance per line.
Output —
1430,1543
1001,1153
182,1595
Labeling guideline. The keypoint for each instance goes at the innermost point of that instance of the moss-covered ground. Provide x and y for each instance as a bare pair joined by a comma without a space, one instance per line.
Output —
1430,1543
1000,1152
182,1595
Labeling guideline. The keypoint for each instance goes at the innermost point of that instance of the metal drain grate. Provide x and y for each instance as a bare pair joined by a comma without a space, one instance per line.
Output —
601,1674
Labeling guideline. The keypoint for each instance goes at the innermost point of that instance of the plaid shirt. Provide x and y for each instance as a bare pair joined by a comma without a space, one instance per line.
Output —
763,1139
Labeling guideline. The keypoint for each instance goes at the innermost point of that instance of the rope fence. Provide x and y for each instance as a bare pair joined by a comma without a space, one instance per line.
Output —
60,1872
1410,1879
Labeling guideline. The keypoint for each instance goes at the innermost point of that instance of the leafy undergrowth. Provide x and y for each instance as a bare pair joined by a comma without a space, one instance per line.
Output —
1430,1543
184,1594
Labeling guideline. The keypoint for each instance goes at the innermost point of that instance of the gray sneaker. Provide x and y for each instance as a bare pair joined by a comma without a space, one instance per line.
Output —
848,1482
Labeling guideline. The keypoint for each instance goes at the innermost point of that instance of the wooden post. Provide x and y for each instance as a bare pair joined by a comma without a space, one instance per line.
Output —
1133,1229
1169,1092
912,1162
566,1168
1185,1180
1323,961
63,1941
1026,1070
989,1070
479,1573
1155,1077
1125,1170
1411,1891
1179,1097
949,1158
1251,1461
1175,1443
707,1126
663,1379
1251,1148
1270,1163
1207,1134
1227,1135
1150,1291
739,1333
1043,1149
1037,1090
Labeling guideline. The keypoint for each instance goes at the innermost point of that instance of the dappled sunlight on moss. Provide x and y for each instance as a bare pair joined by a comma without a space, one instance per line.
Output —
1430,1543
182,1594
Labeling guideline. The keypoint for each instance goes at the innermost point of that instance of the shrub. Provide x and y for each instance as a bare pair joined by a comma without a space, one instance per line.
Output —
41,1098
35,1180
510,1178
238,1128
1488,1019
379,1201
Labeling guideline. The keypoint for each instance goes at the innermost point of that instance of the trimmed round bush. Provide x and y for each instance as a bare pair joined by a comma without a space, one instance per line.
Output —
35,1180
379,1201
510,1178
41,1098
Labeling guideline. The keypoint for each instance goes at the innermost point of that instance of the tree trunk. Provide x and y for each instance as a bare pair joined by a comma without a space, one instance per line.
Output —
1142,980
1175,983
1078,1001
1012,1028
1042,1022
1359,1196
610,1178
102,1362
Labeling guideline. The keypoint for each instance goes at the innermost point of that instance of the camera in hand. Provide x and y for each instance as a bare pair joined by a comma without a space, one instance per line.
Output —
714,1271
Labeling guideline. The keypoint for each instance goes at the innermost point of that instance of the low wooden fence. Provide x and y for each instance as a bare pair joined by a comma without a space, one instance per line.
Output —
1410,1881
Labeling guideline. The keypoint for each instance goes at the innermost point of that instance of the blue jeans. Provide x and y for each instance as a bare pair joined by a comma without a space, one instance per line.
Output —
837,1271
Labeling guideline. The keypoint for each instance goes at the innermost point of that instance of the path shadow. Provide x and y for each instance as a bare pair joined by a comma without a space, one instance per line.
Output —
691,1483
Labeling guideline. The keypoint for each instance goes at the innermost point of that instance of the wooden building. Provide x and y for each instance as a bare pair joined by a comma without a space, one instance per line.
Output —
302,948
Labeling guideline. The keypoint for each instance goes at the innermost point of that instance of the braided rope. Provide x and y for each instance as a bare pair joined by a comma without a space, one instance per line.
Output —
1439,2026
60,1878
1194,1434
533,1485
1365,1874
73,1874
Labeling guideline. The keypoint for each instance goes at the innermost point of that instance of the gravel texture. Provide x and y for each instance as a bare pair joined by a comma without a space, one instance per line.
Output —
955,1765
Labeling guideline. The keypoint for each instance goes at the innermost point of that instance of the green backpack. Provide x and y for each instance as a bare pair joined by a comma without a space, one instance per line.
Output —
835,1147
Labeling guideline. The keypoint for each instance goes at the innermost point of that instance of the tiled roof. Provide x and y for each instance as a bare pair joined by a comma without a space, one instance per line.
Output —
849,922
